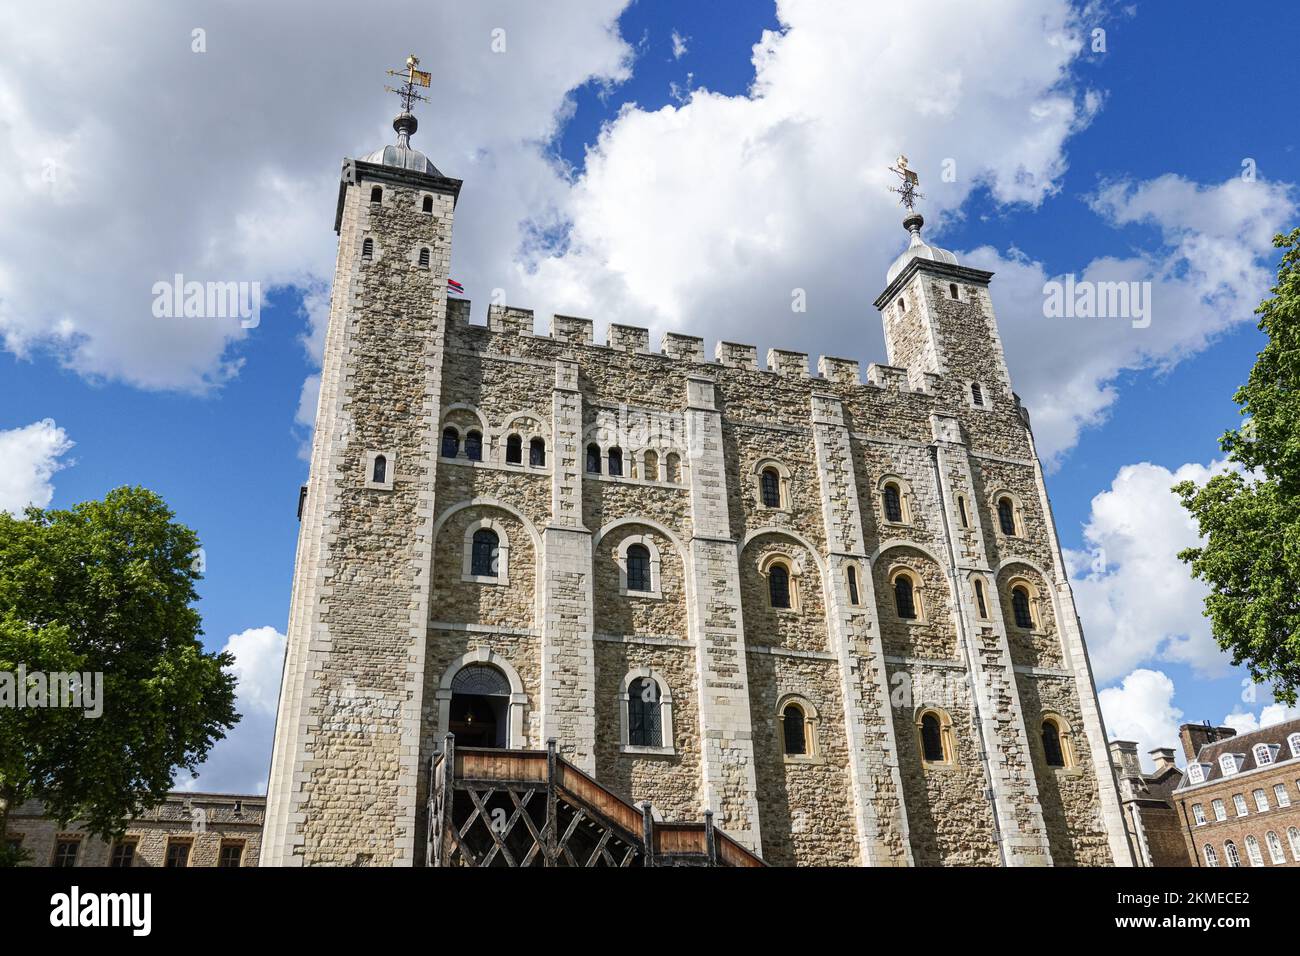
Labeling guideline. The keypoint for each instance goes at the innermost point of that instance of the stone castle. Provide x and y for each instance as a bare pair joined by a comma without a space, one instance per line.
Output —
831,609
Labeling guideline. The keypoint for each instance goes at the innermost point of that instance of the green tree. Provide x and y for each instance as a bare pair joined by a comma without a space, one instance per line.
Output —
1250,519
106,587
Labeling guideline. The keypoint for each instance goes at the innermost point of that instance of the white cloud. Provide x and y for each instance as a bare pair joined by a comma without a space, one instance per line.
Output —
1246,721
1142,709
679,45
223,165
1137,601
241,761
29,457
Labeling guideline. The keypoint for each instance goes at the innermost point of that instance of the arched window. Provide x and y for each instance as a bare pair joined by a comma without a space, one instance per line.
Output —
961,511
474,446
853,585
1252,851
902,304
1211,858
771,482
367,250
651,472
673,466
593,459
794,731
1275,851
644,714
450,442
1052,751
976,393
638,568
905,597
1293,742
379,474
376,194
424,258
616,461
1293,837
1263,754
537,452
1230,851
428,204
483,562
1020,607
778,585
952,290
1007,516
980,604
932,742
893,503
514,450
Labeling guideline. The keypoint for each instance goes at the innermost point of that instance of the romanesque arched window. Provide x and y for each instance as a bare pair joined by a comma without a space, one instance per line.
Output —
450,442
673,467
367,249
650,468
483,560
771,484
893,501
424,258
537,452
644,713
1020,607
616,461
1230,851
379,470
794,731
638,568
474,446
778,584
428,204
905,596
376,194
934,732
1053,752
1007,515
514,450
593,459
952,290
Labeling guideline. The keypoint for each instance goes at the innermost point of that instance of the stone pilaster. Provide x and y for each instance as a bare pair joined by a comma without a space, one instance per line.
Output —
1001,725
568,653
717,627
877,787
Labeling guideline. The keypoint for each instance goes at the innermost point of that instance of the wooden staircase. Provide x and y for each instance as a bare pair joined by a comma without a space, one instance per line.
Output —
533,808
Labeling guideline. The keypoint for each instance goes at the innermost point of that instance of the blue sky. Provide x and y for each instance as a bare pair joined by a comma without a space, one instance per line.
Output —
1185,92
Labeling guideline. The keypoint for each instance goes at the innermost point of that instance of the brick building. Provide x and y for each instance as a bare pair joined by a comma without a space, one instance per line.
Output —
187,829
1154,826
831,609
1239,801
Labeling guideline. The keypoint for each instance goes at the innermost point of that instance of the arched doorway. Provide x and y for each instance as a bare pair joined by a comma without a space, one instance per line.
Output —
480,701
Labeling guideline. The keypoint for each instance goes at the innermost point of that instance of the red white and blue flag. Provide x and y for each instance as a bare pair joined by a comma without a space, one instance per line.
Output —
456,287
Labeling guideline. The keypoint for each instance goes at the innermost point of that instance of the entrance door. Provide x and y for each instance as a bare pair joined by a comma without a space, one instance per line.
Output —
480,707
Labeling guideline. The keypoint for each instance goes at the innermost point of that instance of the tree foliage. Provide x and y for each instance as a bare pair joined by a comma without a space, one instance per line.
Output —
1250,518
106,587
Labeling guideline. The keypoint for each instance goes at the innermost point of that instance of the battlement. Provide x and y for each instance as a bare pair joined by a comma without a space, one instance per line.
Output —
680,347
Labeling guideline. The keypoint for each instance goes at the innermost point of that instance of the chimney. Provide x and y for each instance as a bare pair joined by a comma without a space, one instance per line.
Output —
1124,755
1196,736
1163,758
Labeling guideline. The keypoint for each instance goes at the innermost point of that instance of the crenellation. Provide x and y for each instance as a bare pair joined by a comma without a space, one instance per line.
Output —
628,338
684,348
733,355
787,363
842,370
574,331
458,312
504,318
888,376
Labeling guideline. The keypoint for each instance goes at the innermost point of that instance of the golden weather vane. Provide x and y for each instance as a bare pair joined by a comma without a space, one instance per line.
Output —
907,191
411,79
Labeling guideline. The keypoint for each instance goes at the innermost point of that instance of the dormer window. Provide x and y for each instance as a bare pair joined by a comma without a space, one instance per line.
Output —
1228,764
1294,743
1196,772
1264,754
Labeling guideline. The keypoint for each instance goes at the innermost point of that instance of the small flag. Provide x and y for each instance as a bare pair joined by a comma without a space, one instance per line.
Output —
456,287
419,76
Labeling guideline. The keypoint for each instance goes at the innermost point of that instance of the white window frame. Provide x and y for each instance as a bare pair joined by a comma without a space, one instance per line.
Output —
1220,810
1211,858
655,593
1276,852
1264,754
1293,838
665,714
467,574
1198,814
390,469
1261,799
1293,741
1196,772
1240,805
1253,852
1281,795
1229,764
